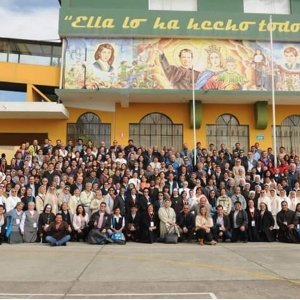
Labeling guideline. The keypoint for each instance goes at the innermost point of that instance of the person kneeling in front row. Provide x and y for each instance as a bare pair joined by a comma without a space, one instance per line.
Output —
59,232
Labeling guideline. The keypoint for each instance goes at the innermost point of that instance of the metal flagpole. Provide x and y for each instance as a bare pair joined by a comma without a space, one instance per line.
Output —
273,94
194,115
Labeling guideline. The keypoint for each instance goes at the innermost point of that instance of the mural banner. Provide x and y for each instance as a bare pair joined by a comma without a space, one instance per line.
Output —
170,63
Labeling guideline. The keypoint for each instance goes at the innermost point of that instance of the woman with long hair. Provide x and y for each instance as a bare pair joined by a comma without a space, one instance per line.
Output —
204,223
80,223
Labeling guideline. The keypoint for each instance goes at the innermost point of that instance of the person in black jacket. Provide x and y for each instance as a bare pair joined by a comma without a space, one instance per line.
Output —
239,223
186,223
253,221
221,228
149,226
265,224
100,223
133,225
2,224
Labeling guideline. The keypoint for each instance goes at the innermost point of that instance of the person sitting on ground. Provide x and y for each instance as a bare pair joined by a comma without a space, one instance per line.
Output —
186,224
100,222
80,223
221,228
203,225
59,232
287,222
133,225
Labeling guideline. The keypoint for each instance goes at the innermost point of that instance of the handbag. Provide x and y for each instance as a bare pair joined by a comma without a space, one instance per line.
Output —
9,227
171,237
117,236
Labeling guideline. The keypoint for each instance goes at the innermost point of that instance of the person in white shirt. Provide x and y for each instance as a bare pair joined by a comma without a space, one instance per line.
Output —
12,200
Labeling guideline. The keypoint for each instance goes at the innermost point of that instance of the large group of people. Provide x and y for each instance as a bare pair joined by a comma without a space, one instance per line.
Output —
114,194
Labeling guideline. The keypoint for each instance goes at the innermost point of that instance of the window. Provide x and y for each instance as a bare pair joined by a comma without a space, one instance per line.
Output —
89,127
158,130
267,6
179,5
288,134
228,131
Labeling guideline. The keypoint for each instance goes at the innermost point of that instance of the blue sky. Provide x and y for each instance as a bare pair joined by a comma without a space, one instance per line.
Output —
29,19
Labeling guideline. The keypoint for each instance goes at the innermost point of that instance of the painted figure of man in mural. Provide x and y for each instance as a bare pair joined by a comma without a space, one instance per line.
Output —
291,57
179,76
259,64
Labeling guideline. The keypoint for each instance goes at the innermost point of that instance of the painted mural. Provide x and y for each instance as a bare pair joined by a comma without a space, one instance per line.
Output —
180,64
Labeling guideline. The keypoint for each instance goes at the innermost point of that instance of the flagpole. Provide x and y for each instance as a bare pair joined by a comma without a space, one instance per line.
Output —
273,94
194,116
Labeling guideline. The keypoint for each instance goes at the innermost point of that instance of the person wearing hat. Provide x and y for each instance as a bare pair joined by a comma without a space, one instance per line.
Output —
239,223
167,218
64,196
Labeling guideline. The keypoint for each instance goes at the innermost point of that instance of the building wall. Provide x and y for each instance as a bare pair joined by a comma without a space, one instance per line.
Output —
29,74
120,120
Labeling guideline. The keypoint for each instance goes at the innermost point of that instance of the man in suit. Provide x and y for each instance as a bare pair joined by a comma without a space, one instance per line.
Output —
221,228
31,184
291,57
171,183
238,222
186,224
120,201
133,225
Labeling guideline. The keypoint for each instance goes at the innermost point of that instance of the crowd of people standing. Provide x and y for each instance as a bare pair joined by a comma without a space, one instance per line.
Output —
83,192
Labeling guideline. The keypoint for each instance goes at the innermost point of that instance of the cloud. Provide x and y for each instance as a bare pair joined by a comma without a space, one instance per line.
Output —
31,23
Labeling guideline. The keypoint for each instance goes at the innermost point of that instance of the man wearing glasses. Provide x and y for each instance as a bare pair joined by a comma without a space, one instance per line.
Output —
99,223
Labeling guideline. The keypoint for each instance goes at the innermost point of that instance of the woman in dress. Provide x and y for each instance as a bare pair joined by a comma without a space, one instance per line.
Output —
204,223
149,226
14,218
265,224
207,79
29,224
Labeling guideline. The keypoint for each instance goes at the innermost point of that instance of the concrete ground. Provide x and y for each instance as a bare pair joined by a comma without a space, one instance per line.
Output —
185,271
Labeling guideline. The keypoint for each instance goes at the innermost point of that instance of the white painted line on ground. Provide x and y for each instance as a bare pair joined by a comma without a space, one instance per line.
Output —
211,295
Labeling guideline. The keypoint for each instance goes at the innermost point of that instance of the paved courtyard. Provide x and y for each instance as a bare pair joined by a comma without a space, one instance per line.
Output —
153,271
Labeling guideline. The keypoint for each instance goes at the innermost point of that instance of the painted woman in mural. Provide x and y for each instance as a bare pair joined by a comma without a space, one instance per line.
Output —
104,58
259,63
208,79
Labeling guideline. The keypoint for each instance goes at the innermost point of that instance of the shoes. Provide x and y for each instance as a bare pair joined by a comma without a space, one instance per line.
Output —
53,244
212,243
64,244
245,241
201,242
